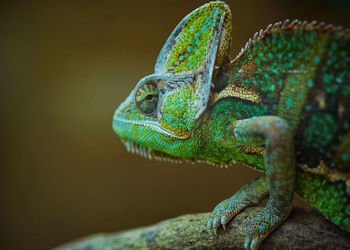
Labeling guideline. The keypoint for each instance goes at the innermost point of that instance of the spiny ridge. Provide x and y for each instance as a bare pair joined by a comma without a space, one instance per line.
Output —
287,24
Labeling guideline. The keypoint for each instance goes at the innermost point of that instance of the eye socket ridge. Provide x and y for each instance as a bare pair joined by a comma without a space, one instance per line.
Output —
147,97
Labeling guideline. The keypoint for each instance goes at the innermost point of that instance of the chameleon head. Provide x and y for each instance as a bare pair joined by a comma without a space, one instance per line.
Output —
161,112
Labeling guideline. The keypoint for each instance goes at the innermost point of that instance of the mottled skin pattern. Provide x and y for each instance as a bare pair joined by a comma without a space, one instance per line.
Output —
282,106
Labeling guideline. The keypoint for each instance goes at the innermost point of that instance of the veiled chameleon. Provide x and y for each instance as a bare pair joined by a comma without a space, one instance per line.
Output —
281,106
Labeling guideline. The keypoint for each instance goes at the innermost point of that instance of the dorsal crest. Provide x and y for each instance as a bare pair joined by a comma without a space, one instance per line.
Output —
295,24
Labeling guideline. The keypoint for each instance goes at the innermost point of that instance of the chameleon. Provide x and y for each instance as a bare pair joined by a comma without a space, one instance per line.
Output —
281,106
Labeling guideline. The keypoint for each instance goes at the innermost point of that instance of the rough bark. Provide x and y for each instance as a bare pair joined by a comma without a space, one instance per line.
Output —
304,229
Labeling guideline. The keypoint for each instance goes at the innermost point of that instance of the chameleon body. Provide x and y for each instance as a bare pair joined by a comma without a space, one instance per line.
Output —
282,106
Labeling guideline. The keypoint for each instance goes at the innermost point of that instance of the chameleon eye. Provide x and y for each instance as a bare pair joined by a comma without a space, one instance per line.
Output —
146,98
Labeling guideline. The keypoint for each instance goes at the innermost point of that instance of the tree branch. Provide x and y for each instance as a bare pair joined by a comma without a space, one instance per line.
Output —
304,229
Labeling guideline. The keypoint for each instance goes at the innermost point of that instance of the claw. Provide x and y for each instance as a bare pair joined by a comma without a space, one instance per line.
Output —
253,240
214,231
251,244
255,243
211,225
224,220
246,242
209,222
215,223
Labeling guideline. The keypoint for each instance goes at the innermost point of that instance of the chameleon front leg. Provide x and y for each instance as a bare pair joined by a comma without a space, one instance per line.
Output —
275,133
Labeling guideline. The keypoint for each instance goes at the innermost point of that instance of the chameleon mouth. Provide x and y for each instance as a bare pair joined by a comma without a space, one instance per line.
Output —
152,125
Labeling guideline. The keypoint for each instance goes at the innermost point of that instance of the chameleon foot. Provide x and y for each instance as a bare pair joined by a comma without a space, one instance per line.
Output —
265,222
222,214
248,195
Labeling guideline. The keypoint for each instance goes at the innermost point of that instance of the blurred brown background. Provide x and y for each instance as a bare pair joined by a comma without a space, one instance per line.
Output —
65,67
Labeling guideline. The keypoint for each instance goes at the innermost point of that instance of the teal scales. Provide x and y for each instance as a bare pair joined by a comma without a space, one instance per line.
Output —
282,106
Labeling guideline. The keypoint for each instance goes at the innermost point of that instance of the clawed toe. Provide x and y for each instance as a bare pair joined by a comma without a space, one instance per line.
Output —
252,242
221,215
214,222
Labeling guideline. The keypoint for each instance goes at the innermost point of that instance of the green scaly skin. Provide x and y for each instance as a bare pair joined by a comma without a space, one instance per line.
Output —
282,106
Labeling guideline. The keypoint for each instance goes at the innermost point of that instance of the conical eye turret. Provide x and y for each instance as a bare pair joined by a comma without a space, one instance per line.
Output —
146,98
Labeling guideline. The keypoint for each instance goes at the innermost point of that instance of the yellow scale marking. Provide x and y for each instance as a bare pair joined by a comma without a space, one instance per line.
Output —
233,91
332,175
